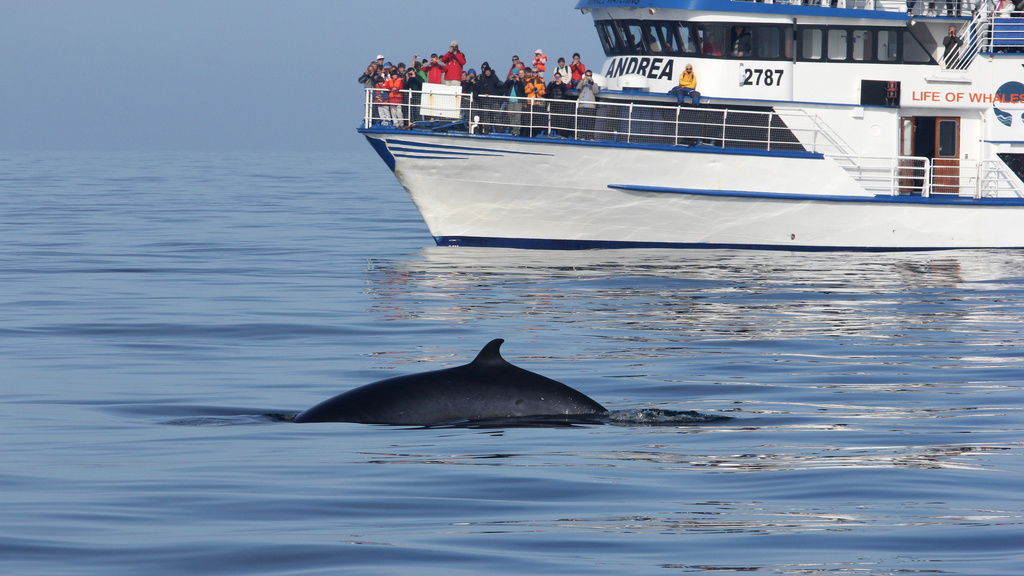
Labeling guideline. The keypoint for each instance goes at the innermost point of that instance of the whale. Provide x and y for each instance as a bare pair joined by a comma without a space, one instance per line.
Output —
488,389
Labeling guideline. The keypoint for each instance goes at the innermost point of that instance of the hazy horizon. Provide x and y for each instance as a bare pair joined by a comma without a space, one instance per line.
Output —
235,75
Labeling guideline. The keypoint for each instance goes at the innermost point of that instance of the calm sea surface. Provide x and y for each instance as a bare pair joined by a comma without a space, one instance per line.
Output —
163,315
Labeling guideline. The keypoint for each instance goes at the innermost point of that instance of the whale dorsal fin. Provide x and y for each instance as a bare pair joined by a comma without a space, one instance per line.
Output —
490,353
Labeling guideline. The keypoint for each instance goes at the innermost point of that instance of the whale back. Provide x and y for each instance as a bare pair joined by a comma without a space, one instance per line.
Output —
488,388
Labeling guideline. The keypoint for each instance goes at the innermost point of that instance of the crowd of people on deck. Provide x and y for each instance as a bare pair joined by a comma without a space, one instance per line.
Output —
521,103
396,89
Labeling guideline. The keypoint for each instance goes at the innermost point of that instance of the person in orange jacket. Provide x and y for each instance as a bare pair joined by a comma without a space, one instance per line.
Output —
535,91
540,62
394,87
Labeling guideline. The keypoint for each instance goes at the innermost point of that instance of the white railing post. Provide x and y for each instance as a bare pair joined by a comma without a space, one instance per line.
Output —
725,120
629,123
367,108
576,120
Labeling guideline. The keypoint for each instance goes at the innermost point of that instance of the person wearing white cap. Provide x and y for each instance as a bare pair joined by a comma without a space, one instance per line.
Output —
540,62
455,60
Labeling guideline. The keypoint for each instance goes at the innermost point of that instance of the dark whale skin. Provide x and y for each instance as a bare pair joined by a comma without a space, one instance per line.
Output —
487,389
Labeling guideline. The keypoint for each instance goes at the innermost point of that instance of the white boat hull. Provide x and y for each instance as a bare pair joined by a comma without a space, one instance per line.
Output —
569,194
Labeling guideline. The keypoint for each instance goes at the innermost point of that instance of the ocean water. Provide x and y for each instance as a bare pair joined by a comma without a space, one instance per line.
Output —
164,315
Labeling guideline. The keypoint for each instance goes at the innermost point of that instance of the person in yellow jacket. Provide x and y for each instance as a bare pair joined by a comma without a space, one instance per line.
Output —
687,86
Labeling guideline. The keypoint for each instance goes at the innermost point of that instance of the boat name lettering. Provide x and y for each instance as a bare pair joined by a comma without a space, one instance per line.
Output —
759,77
653,68
973,97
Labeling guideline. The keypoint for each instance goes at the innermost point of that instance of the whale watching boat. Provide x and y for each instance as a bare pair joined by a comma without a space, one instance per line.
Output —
831,125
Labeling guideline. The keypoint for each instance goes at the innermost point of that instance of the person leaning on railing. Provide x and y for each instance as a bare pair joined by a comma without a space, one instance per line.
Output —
369,80
414,84
587,109
556,93
535,91
487,88
394,88
516,91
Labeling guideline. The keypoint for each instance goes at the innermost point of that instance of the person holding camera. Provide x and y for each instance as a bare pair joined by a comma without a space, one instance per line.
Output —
587,110
578,70
414,84
435,70
515,89
952,45
455,60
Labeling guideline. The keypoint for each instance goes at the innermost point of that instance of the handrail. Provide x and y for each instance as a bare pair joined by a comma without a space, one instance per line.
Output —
783,130
624,122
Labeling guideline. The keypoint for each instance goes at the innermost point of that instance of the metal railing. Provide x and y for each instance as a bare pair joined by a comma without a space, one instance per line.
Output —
915,175
631,123
688,126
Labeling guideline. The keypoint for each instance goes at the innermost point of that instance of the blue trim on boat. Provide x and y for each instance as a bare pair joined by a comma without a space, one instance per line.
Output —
720,6
880,199
569,142
382,150
422,157
555,244
464,149
412,152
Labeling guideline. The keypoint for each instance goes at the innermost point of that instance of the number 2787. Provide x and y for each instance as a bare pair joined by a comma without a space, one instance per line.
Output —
759,77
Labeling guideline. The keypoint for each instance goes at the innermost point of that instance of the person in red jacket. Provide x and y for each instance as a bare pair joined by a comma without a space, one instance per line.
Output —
455,60
578,69
435,71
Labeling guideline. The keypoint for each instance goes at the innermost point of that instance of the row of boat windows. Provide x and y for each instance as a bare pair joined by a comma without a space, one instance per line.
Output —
761,41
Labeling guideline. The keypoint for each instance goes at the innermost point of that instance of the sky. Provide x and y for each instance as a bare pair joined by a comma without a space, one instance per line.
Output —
239,75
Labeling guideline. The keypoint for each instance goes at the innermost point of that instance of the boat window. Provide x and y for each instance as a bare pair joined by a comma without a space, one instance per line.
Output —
887,44
947,139
768,44
714,38
688,39
811,44
861,45
913,51
606,32
740,39
773,42
662,38
634,38
837,39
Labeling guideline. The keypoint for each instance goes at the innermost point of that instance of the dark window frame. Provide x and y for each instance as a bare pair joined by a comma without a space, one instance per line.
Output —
612,37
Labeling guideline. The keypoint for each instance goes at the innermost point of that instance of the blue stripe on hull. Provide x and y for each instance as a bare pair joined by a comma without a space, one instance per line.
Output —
933,200
555,244
494,139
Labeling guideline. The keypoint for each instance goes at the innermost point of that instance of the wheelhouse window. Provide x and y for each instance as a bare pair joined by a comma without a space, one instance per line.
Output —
861,45
714,39
913,52
662,39
887,46
748,40
689,43
812,43
742,42
837,44
773,43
